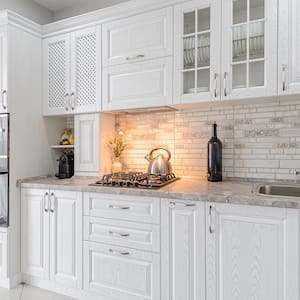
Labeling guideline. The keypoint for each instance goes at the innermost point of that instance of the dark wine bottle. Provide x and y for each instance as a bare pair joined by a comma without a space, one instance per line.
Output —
214,162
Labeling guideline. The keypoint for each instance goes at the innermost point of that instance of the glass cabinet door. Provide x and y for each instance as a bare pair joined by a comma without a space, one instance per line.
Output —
249,52
196,51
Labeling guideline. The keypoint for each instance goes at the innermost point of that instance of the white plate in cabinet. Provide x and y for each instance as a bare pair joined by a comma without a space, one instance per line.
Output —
145,36
121,207
138,85
126,234
121,273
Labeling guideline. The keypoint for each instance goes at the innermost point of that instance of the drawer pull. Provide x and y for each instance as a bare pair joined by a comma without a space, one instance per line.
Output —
119,234
135,57
119,207
119,252
182,204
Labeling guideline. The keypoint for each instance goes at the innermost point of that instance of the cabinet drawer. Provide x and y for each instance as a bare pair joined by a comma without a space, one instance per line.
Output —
138,85
121,233
121,207
141,37
121,273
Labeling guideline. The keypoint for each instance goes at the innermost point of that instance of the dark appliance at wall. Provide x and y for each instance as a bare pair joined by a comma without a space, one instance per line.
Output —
65,165
4,169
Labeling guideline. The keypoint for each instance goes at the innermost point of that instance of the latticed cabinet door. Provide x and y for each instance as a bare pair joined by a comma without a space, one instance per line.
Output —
85,70
56,55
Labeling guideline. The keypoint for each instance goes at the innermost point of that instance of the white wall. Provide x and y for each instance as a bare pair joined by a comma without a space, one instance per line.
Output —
29,9
84,8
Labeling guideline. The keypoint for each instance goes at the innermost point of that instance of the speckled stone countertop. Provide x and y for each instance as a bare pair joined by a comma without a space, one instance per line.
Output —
235,192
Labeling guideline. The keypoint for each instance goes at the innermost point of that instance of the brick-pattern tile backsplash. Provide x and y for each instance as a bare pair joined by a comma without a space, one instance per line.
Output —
260,140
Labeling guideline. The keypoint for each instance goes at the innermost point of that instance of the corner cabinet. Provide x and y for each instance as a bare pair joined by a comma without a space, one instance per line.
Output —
289,47
52,236
183,250
72,72
252,252
225,50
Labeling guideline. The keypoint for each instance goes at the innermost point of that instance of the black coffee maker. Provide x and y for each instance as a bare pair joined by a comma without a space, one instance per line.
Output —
66,165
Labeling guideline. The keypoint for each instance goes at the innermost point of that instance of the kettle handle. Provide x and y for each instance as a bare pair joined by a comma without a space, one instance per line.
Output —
158,148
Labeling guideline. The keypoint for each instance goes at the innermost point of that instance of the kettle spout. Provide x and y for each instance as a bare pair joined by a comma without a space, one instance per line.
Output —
147,157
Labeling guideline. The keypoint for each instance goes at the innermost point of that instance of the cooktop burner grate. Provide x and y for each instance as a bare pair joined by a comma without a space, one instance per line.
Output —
135,180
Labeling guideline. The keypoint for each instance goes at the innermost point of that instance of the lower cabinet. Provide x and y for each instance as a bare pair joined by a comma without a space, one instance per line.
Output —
252,252
183,250
52,236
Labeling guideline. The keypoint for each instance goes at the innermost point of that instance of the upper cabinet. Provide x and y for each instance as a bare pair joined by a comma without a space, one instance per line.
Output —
72,70
3,70
197,51
289,47
142,37
225,53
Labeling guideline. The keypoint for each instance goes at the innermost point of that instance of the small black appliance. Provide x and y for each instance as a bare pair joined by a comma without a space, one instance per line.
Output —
66,165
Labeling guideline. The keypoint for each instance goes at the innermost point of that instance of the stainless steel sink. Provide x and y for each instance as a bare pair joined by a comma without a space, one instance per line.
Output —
282,190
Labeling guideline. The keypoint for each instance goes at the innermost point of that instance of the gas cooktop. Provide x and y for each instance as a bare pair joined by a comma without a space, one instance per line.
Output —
135,180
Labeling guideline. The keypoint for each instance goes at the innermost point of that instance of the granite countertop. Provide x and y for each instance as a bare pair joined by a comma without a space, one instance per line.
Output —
231,191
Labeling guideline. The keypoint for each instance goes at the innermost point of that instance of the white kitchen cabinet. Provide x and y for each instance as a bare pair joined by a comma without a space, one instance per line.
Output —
87,144
183,250
121,273
197,51
289,47
72,72
249,49
52,236
142,37
138,85
252,252
3,70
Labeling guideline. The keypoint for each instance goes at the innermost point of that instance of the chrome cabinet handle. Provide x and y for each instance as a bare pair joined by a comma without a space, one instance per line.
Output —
67,100
4,95
119,234
119,252
182,204
72,101
135,57
215,85
211,231
225,84
118,207
284,68
52,201
46,202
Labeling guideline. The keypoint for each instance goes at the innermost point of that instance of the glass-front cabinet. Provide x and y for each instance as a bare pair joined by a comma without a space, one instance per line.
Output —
197,51
225,49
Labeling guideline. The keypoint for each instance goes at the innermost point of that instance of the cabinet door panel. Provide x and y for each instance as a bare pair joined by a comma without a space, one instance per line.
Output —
145,36
35,233
85,70
121,273
87,144
3,71
252,252
289,47
183,250
138,85
56,80
66,238
249,49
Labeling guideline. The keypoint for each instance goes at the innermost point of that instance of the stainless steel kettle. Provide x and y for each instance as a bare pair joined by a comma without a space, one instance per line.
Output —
159,165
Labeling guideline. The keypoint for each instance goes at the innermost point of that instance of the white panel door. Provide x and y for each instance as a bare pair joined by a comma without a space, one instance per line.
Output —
86,70
183,250
249,48
121,273
35,232
3,255
66,238
197,51
138,85
252,252
3,70
141,37
87,144
289,47
56,79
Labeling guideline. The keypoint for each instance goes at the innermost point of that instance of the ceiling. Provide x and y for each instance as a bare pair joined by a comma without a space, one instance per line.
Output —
57,5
